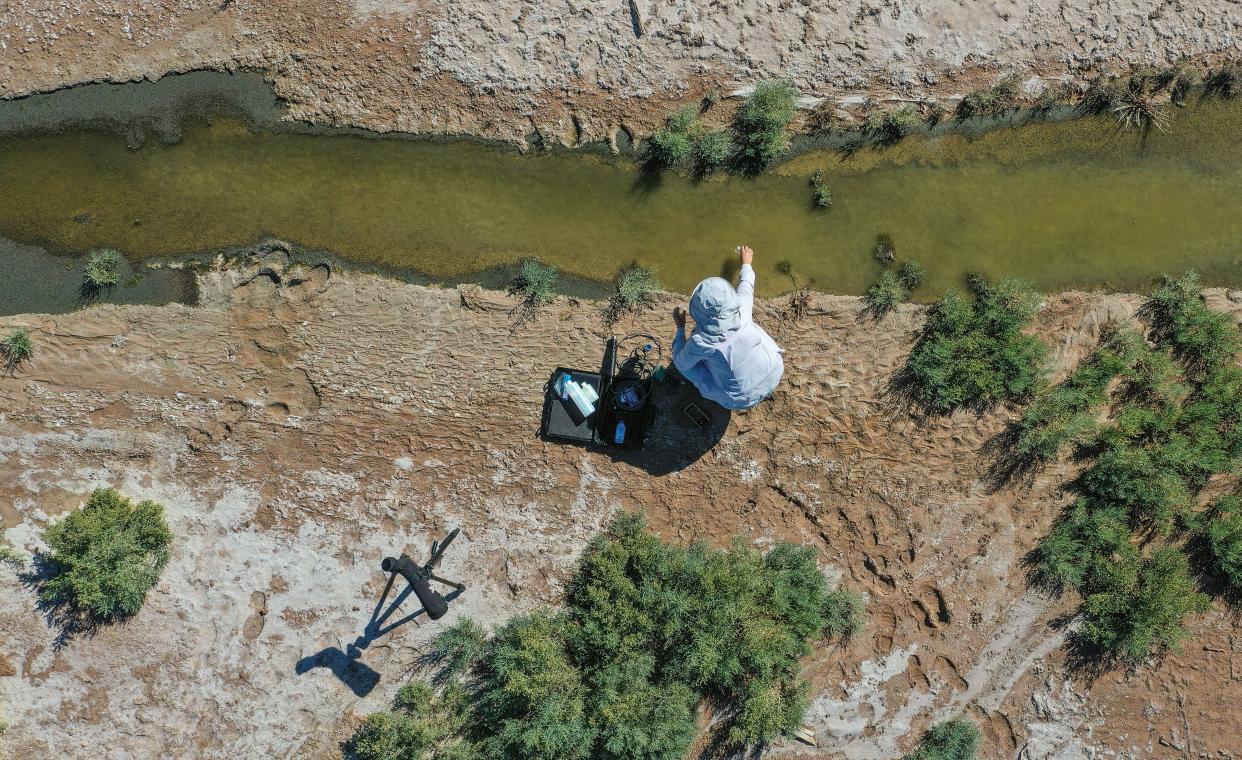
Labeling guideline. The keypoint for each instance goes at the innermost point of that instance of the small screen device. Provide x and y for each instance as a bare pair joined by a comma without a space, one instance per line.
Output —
696,415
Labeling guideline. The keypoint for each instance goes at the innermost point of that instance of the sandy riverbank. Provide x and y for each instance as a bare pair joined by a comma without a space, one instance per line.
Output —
577,71
298,427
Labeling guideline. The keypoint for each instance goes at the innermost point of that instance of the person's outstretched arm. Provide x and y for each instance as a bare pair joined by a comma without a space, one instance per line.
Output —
746,283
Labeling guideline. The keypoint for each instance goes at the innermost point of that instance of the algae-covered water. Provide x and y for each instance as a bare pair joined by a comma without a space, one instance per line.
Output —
1075,203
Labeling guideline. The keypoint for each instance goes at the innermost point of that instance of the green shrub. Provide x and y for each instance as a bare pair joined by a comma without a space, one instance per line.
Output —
1136,106
712,151
535,281
1203,338
762,122
1141,605
10,556
635,288
1222,531
1085,536
892,125
423,726
532,699
103,268
106,556
911,274
975,354
884,294
16,348
650,630
951,740
460,646
674,142
1100,96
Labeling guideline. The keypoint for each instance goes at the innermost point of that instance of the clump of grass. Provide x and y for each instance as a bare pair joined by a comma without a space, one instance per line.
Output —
106,556
1179,79
950,740
11,557
713,96
634,289
884,294
821,196
16,348
893,124
1224,82
911,274
1100,96
535,282
884,251
713,151
991,101
1137,108
649,631
1052,96
103,269
673,143
890,289
975,354
762,123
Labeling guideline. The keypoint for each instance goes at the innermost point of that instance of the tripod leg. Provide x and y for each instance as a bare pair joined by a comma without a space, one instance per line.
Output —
447,582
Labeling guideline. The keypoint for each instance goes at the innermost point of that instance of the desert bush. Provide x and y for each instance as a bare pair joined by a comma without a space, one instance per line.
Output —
106,556
1067,413
991,101
950,740
460,646
974,354
712,151
531,702
12,557
1222,531
649,631
535,282
422,726
893,124
103,269
1085,535
16,348
884,294
635,288
1203,338
761,124
1141,605
821,196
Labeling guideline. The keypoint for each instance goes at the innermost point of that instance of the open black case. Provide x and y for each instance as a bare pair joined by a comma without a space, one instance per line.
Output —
563,422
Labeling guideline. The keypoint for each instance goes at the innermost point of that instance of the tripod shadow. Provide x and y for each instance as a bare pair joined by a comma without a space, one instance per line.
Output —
347,665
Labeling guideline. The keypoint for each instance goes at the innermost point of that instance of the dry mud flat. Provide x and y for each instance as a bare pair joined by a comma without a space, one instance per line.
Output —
300,427
581,70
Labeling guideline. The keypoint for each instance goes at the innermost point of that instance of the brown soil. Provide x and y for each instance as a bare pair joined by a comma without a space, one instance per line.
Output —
300,428
581,70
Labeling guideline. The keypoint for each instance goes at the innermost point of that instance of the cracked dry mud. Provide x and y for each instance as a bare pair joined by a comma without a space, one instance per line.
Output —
583,70
299,427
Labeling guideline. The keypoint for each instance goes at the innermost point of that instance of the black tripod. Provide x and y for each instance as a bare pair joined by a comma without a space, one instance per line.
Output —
420,577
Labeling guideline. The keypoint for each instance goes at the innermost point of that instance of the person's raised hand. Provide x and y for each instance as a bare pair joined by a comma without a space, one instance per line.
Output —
745,254
679,316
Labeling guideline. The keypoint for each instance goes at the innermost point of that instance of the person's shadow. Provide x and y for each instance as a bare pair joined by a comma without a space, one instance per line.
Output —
347,665
675,439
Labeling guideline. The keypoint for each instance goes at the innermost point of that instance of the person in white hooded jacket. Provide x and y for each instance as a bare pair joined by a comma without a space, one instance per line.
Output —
729,358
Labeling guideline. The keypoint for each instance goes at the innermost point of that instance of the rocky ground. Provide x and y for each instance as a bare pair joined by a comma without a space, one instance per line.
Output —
299,426
569,71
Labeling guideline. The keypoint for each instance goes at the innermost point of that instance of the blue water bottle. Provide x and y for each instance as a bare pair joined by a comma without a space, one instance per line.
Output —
619,436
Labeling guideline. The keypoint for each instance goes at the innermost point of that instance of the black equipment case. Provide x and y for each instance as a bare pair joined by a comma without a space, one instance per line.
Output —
563,422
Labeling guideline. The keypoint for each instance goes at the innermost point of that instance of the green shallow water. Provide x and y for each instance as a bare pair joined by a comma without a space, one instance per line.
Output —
1069,204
